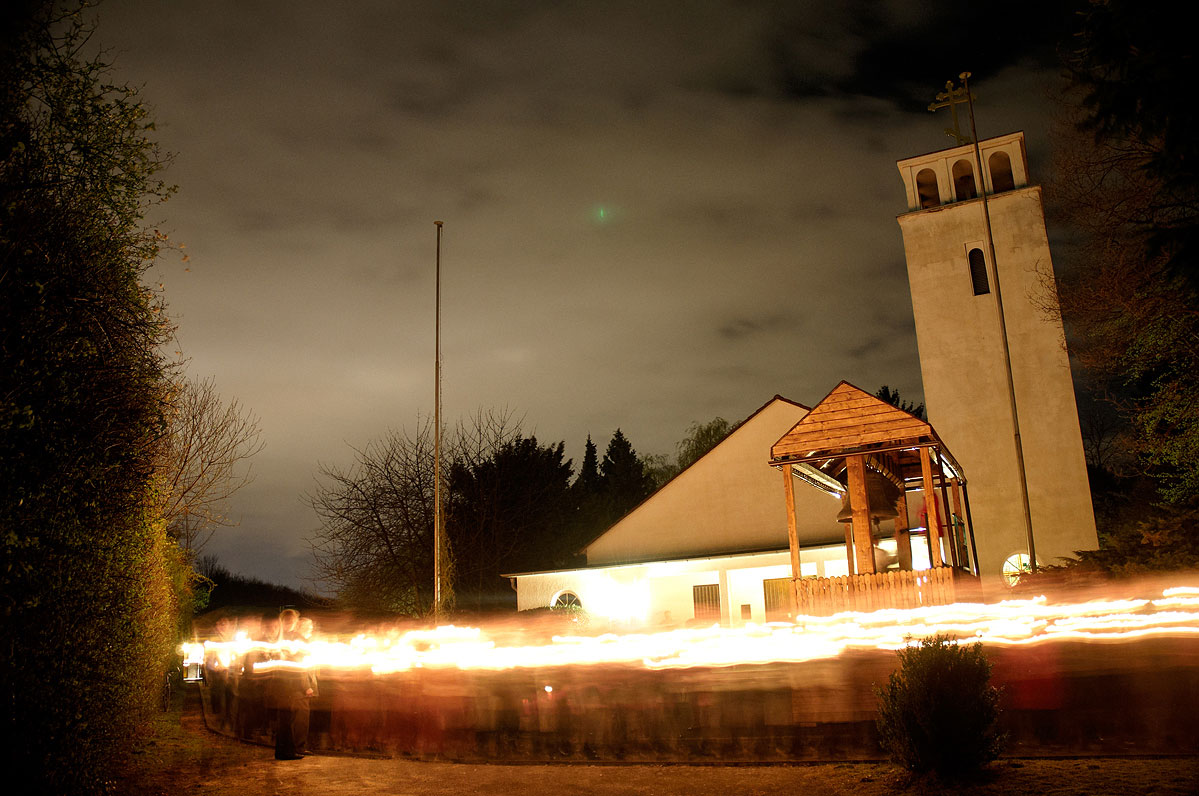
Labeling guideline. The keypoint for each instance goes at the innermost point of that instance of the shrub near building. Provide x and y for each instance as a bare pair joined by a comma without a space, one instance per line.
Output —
938,712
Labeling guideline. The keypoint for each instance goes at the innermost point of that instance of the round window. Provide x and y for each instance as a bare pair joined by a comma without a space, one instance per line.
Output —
1015,566
568,599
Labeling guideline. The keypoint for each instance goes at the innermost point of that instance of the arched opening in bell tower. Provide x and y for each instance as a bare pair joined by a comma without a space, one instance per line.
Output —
1001,172
926,189
963,180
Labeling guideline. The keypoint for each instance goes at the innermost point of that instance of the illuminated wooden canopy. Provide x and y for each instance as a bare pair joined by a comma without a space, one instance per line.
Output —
852,443
850,421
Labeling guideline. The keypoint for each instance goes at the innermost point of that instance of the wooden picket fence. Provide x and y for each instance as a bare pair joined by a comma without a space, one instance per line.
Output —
894,589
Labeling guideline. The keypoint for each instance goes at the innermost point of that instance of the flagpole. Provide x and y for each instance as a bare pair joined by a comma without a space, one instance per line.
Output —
437,529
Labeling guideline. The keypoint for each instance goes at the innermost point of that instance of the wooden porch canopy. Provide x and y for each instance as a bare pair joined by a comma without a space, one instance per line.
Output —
871,454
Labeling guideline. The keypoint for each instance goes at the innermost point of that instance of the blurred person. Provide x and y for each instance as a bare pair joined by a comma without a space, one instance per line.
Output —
289,623
218,675
305,627
292,691
302,701
269,631
251,707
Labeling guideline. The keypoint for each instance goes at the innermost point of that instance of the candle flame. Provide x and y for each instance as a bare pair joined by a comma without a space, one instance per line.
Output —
1007,623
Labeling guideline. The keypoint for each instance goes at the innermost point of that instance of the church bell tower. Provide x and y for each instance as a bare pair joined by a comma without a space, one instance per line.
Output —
952,270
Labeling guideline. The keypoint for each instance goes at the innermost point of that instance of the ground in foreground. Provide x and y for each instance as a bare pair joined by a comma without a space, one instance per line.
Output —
187,759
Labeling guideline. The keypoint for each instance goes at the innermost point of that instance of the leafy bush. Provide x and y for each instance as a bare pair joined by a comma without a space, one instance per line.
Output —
938,712
1161,539
1147,541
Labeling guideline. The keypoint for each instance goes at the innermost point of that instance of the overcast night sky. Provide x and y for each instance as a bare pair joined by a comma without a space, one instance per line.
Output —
655,212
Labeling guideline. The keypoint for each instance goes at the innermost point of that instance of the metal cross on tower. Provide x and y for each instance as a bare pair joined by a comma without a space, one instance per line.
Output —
951,98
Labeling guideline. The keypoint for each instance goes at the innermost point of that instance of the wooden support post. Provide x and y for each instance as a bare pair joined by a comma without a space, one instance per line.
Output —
970,527
951,536
955,490
792,537
859,501
930,507
903,539
850,556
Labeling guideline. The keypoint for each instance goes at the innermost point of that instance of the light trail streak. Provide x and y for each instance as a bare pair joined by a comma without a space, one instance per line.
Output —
1008,623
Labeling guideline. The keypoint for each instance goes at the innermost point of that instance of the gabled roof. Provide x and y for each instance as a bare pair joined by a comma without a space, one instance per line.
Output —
728,501
850,420
731,432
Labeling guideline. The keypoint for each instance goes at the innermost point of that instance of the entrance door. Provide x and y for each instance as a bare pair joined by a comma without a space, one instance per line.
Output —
707,602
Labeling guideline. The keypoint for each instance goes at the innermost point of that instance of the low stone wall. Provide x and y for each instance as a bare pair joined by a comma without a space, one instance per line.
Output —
1070,698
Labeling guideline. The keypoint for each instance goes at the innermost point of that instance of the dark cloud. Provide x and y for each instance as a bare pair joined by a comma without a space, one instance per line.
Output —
908,57
259,220
868,348
821,212
898,51
738,329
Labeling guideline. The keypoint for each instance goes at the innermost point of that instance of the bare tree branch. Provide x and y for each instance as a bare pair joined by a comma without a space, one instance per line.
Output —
375,544
201,462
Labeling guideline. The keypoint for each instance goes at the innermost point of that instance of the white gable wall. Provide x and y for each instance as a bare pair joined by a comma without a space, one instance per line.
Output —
729,500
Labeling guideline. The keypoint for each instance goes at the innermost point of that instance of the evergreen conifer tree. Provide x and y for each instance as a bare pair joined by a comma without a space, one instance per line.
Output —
587,484
587,504
625,479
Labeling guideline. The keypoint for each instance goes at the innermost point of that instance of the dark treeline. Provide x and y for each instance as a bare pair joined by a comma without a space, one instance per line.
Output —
221,589
511,504
1126,185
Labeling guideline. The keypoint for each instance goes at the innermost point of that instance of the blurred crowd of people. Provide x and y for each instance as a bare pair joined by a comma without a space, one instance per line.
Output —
250,700
261,689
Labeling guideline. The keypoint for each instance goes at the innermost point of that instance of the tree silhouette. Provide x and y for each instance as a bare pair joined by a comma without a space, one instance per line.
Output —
375,544
625,480
589,516
1127,182
701,438
892,397
507,514
207,442
507,508
588,481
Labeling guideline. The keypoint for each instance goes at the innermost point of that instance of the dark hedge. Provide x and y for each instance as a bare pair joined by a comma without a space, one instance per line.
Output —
88,582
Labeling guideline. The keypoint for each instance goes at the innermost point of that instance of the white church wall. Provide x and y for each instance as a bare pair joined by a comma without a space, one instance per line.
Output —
660,594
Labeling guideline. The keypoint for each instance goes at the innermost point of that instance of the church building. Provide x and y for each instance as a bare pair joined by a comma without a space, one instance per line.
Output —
855,504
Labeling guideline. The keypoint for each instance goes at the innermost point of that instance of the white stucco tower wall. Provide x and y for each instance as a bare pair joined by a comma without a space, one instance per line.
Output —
961,357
